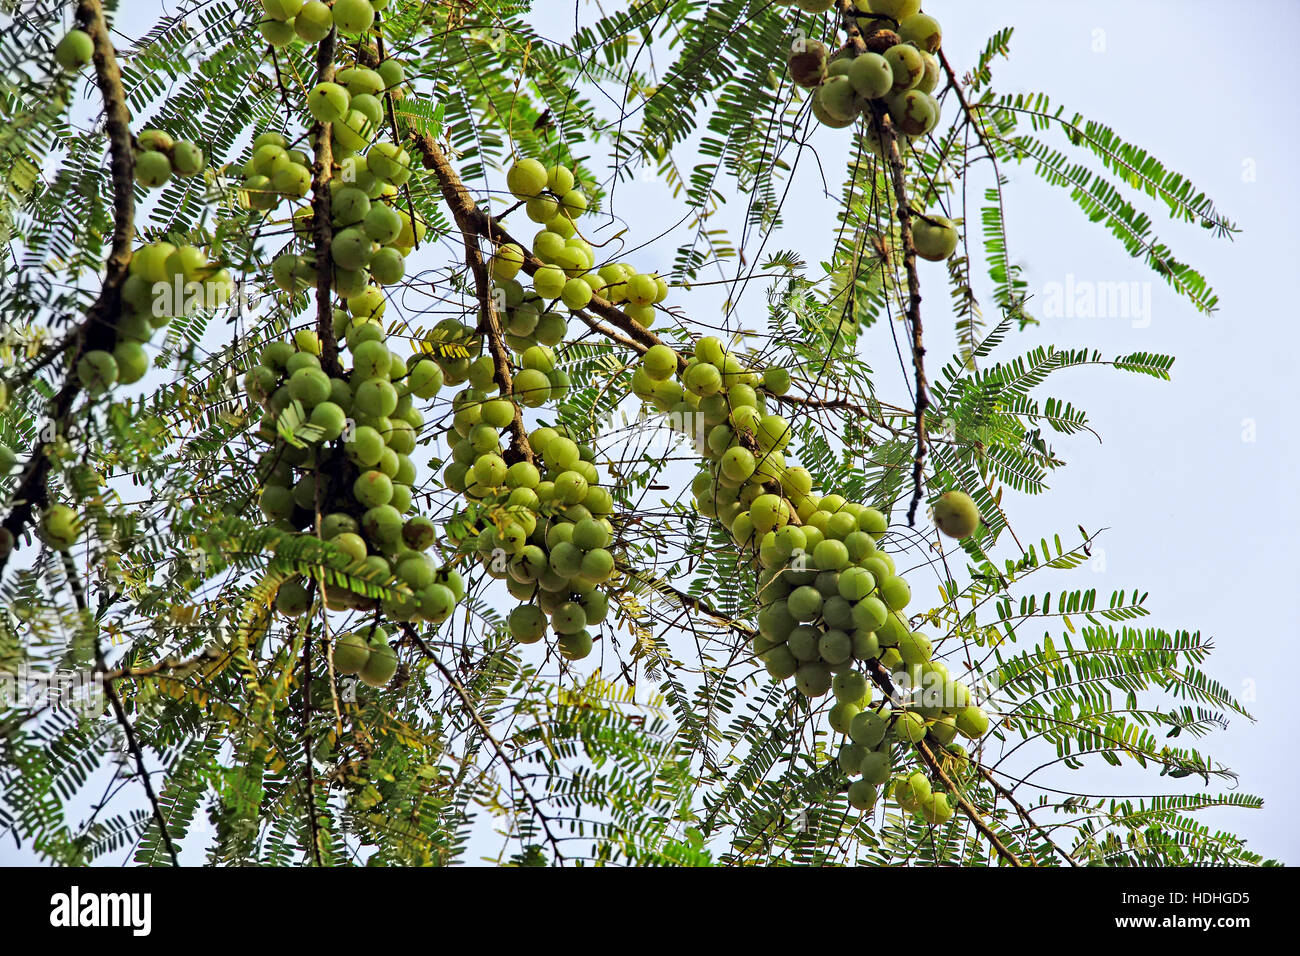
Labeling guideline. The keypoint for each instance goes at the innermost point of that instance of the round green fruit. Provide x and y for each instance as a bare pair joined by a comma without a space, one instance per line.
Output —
838,98
875,767
381,664
972,722
907,66
527,624
914,113
841,714
851,687
871,75
350,653
896,10
353,17
813,679
291,598
60,527
526,179
97,371
956,514
74,50
910,727
328,102
862,795
922,31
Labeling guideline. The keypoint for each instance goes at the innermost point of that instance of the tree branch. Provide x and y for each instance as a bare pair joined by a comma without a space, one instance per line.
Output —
99,328
322,228
471,221
889,139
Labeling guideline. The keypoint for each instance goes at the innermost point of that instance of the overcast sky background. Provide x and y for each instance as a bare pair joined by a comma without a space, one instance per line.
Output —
1195,477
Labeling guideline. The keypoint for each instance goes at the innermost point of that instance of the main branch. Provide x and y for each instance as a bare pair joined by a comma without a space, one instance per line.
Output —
98,329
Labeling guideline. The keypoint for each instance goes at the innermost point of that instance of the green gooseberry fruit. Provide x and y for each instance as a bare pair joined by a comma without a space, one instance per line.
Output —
353,17
328,102
956,514
350,653
907,66
75,50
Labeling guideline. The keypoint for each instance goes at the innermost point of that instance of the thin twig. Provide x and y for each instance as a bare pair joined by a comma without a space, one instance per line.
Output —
488,735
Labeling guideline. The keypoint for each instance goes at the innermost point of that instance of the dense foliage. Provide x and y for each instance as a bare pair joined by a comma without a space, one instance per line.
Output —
382,494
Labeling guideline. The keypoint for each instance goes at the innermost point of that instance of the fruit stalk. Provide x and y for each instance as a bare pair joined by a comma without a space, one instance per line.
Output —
922,387
97,330
849,23
880,677
322,230
924,750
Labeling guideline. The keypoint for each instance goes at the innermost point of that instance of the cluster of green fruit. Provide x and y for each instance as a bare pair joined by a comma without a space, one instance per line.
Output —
366,653
350,465
157,156
929,704
351,103
371,239
900,72
163,281
553,199
830,600
313,20
545,531
544,525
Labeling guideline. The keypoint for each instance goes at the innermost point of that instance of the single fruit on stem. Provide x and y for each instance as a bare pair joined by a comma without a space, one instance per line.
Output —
152,169
871,75
97,371
74,50
922,31
60,527
956,514
353,17
894,9
907,65
972,722
350,653
381,665
807,63
328,102
314,21
933,73
526,179
837,99
187,159
913,112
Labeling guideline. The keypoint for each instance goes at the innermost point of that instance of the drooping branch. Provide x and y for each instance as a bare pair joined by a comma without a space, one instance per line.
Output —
322,228
971,812
98,329
880,677
469,219
889,139
1022,811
